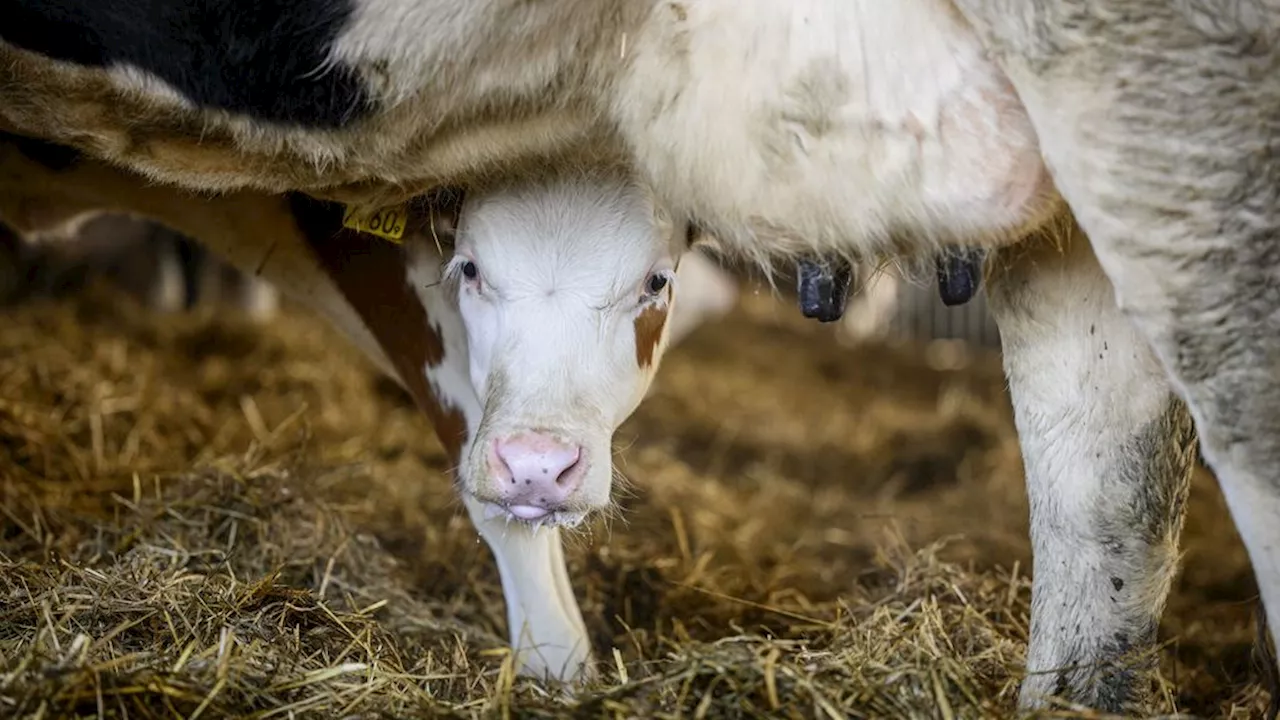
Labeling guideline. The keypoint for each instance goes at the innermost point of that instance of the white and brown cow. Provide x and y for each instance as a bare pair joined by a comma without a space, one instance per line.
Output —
528,323
812,127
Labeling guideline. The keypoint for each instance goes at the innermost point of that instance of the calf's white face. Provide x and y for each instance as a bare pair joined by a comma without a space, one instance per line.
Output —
564,288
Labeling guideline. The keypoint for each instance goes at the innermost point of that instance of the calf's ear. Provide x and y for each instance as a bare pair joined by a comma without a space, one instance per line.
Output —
441,209
697,239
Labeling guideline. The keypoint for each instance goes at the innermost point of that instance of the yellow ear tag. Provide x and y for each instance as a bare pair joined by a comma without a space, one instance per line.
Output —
385,222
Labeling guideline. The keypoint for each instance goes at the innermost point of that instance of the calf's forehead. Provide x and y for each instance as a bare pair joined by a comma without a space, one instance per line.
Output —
609,226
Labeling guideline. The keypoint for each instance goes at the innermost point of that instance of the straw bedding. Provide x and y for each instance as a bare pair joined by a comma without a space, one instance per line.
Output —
204,518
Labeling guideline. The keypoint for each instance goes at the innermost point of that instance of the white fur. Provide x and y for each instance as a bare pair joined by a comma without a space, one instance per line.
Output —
849,120
805,125
551,316
828,126
543,619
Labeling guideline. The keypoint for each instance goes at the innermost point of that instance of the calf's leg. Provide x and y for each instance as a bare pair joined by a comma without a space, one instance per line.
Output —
545,624
543,618
1161,125
1108,451
293,244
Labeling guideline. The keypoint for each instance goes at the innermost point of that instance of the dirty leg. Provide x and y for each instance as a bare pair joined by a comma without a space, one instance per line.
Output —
1161,134
1108,450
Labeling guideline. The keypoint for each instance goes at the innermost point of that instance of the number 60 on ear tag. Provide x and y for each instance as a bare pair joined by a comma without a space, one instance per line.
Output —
385,222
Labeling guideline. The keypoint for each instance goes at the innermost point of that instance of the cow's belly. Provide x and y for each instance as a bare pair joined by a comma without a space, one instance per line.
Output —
853,126
134,120
816,124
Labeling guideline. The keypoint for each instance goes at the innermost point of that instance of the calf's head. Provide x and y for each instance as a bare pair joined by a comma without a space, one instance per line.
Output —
564,287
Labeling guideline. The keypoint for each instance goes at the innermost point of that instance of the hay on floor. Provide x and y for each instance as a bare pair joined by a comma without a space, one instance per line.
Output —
207,519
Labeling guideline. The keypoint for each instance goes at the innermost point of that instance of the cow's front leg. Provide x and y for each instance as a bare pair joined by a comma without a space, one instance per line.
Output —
546,627
1108,451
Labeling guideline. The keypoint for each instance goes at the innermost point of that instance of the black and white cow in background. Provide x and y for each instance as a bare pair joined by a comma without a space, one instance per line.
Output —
801,129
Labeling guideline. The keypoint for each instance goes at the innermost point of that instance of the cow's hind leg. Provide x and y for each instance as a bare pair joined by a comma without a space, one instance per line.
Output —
1161,123
1108,451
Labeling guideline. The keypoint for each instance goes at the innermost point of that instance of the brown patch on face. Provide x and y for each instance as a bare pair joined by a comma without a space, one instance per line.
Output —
649,326
371,273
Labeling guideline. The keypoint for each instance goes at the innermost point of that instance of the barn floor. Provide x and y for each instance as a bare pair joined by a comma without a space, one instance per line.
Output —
204,518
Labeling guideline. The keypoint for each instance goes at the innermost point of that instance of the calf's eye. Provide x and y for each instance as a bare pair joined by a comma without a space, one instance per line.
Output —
656,283
469,270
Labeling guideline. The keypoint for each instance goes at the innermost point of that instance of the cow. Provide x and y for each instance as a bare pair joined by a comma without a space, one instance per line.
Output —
527,319
1115,158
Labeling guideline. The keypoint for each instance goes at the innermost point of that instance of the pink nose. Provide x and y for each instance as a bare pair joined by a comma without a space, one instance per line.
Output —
536,472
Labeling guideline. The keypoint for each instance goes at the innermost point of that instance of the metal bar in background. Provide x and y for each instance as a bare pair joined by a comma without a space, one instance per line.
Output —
922,316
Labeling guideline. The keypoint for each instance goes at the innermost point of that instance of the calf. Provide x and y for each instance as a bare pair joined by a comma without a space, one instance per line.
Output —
814,127
553,312
528,322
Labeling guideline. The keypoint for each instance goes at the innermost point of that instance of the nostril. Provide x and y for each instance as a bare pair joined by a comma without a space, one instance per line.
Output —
568,475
